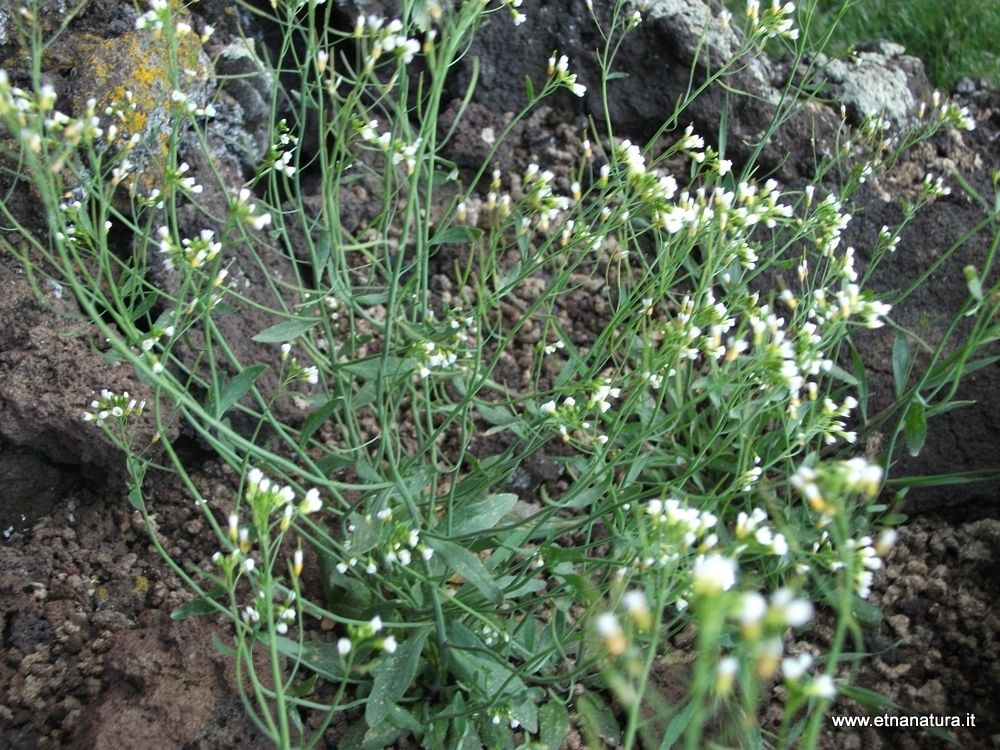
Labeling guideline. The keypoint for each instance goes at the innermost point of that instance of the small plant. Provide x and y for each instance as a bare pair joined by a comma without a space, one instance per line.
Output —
706,436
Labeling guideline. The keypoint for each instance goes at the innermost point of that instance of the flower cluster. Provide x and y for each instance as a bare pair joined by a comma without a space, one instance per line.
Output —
825,484
151,340
948,113
730,211
773,21
42,126
398,150
369,630
280,154
448,346
385,37
559,68
397,541
866,562
671,529
296,372
156,18
192,253
265,498
111,406
933,187
752,531
538,195
575,419
762,625
517,16
244,209
285,612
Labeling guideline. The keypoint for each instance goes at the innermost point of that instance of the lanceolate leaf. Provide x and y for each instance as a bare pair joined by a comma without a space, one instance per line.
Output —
456,235
394,677
900,361
286,331
915,427
467,565
237,388
474,517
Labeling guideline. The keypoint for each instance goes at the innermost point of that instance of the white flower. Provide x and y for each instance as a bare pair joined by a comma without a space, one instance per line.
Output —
607,625
794,667
753,608
344,646
312,502
823,687
728,665
634,601
389,644
795,612
713,574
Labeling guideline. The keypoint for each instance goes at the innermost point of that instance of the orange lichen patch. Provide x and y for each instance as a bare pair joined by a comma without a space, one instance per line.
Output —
134,77
136,64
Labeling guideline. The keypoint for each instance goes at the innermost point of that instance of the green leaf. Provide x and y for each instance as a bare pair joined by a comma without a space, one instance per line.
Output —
393,677
203,606
472,662
367,472
676,727
321,658
305,688
331,463
553,718
353,738
196,608
323,249
511,279
223,648
581,498
467,565
237,388
597,719
456,235
136,470
367,534
843,376
143,307
286,331
135,499
900,361
868,615
468,519
529,88
375,298
495,414
915,427
616,75
317,418
400,717
371,368
933,411
224,308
